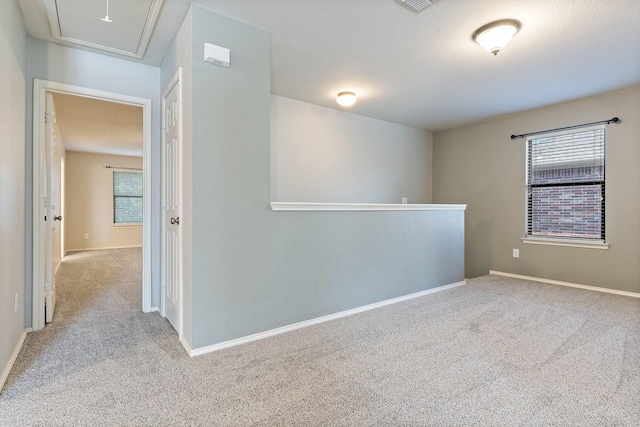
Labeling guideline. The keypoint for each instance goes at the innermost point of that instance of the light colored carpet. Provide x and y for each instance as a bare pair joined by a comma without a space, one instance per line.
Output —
494,352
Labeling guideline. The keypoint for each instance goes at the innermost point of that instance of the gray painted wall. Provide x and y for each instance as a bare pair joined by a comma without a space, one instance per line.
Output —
321,154
480,165
254,269
61,64
12,178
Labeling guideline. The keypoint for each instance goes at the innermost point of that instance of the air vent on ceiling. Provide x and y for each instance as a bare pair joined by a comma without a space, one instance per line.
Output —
415,5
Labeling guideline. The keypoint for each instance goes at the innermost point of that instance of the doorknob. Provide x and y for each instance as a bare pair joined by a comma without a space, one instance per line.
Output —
57,218
175,221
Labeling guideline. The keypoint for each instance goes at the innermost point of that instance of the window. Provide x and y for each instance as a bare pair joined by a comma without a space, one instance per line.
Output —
566,185
127,197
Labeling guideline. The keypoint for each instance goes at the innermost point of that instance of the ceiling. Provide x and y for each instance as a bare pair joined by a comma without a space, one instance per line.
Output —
417,69
123,33
98,126
80,19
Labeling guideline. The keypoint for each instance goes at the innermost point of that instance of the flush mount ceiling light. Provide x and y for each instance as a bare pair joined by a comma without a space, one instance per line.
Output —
106,17
346,99
495,35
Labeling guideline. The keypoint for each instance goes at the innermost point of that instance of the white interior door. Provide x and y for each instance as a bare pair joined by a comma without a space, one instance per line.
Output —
50,205
171,203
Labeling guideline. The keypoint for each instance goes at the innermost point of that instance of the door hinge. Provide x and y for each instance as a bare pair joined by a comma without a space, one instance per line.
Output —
48,117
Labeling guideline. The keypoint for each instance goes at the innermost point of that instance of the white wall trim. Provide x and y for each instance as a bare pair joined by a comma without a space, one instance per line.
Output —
304,324
311,206
100,249
40,88
12,359
565,242
571,285
187,347
152,309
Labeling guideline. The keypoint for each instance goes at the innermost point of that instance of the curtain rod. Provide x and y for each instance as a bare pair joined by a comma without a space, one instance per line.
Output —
118,167
613,120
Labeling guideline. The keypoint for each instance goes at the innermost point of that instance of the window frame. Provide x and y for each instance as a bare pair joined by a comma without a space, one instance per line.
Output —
113,199
557,240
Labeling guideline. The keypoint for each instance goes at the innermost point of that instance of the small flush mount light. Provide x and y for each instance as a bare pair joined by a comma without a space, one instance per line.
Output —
495,35
106,17
346,99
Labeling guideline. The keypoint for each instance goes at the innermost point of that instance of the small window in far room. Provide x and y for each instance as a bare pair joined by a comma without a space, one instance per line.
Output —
566,185
127,197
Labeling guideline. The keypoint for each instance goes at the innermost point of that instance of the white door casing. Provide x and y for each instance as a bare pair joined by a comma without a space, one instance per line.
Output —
50,214
56,195
40,90
171,305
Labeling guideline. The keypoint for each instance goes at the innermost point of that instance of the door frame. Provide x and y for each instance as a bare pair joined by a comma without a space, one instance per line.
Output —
176,81
40,89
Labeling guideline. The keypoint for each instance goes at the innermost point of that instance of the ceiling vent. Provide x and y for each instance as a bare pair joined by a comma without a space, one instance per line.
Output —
415,5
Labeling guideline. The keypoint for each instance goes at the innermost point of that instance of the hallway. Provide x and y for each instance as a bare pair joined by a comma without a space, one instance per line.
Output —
98,322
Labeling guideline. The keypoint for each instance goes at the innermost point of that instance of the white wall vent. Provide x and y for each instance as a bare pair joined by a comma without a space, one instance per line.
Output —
415,5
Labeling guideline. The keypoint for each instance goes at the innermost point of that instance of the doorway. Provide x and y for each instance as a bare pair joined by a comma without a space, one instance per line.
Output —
42,265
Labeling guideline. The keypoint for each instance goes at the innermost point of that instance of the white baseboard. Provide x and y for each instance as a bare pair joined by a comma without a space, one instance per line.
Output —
187,347
100,249
152,309
571,285
304,324
12,360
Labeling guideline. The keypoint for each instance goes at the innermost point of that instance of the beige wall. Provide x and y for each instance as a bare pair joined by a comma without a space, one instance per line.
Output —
480,165
89,202
320,154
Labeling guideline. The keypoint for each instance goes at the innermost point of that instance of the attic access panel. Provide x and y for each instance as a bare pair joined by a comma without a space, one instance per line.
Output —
78,22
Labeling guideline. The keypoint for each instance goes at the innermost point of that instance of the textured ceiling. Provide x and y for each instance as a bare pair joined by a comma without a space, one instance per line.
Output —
82,21
97,126
423,69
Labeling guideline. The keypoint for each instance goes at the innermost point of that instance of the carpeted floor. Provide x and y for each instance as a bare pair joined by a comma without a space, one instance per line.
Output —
497,351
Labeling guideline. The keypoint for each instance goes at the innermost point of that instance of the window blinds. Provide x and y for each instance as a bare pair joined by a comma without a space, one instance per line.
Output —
127,197
566,185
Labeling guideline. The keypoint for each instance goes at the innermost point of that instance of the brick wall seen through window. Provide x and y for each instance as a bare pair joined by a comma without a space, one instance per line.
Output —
566,186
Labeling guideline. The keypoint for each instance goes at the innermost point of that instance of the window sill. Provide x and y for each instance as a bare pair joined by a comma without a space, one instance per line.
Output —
125,225
565,242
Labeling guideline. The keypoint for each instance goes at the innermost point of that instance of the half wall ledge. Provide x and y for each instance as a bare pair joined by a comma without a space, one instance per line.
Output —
308,206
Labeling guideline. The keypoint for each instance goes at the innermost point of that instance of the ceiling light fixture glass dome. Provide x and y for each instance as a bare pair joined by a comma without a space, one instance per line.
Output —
346,99
494,36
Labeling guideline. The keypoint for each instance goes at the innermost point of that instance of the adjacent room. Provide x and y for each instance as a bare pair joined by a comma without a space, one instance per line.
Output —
319,213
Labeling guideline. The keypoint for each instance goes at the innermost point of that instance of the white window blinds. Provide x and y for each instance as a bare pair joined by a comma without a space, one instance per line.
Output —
566,185
127,197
